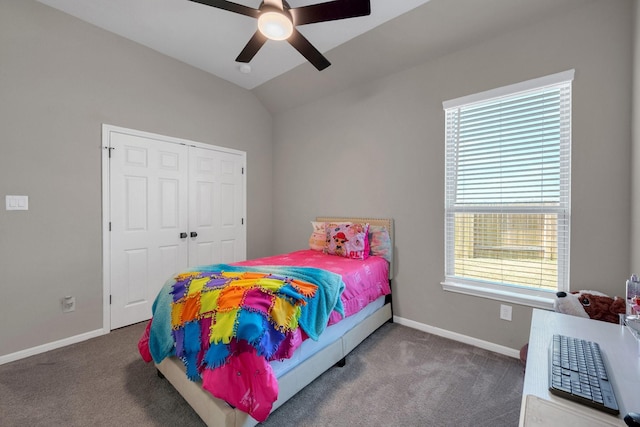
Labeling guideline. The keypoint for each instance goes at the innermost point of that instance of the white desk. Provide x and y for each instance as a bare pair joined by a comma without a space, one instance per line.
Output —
621,351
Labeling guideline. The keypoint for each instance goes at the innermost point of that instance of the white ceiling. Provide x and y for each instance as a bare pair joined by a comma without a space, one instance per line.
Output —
211,39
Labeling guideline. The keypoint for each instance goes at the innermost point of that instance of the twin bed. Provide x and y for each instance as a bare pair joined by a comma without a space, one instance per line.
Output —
359,304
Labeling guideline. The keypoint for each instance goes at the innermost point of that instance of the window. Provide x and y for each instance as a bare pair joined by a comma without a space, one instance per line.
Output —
507,195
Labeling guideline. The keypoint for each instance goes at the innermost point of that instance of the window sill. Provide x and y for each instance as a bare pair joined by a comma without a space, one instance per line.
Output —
537,301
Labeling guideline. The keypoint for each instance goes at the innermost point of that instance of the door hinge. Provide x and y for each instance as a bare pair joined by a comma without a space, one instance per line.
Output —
242,221
109,148
109,225
109,299
243,171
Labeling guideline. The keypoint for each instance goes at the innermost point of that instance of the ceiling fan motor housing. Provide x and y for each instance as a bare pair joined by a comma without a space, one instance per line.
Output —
275,23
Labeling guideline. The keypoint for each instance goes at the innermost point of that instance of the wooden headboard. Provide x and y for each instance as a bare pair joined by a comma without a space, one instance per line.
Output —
386,222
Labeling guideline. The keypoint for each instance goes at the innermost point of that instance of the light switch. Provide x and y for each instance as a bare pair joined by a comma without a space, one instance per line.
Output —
17,203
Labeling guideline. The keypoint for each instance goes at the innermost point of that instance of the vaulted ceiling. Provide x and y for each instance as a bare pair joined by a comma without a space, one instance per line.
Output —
210,39
398,34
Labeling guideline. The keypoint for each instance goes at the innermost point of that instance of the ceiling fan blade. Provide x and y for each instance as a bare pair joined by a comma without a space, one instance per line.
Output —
330,11
252,47
302,45
231,7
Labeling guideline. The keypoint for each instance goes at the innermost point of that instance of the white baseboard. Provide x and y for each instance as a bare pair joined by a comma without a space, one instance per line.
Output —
458,337
51,346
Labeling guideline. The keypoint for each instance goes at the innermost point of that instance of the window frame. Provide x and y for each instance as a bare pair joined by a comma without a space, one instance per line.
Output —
514,294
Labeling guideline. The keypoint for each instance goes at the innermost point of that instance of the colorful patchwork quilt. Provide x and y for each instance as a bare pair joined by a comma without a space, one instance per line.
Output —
227,322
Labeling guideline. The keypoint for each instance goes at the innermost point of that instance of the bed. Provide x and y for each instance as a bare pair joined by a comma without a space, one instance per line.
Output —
364,312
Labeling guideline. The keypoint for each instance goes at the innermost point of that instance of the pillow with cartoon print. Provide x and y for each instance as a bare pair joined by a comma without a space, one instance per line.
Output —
348,239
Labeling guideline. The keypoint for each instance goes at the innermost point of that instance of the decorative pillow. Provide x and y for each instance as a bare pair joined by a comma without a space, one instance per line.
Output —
319,236
349,240
380,242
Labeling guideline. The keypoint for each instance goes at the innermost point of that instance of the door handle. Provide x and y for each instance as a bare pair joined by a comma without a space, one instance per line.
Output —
183,235
194,234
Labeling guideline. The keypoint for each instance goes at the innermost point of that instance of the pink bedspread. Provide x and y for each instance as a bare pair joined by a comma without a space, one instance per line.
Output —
365,280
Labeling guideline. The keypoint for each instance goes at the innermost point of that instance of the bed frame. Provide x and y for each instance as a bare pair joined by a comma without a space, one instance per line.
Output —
216,412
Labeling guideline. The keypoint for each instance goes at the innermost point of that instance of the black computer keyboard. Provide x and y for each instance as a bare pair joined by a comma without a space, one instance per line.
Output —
577,372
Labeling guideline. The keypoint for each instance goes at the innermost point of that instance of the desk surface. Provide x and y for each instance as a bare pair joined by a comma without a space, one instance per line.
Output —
621,352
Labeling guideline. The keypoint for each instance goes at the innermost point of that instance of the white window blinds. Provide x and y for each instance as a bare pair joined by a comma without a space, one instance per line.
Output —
507,195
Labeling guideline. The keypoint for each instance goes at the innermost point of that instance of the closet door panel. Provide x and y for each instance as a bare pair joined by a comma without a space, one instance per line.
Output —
149,181
216,207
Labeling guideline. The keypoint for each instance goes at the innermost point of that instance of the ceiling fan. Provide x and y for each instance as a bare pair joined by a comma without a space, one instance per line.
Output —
278,21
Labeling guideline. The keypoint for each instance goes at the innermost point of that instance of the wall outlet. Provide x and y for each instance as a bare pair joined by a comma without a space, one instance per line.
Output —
68,304
505,312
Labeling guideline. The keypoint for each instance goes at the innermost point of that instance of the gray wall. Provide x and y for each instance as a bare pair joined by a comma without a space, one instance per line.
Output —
377,149
635,148
60,79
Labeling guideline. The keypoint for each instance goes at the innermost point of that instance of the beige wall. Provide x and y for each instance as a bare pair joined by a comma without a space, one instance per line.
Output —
60,79
377,149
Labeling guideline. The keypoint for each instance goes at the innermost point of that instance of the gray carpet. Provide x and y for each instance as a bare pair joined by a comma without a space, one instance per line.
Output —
396,377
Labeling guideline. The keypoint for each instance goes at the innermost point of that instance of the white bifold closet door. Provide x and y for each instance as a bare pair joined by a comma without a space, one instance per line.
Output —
172,206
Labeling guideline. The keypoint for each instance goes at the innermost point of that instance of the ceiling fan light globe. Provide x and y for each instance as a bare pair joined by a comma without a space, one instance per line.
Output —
275,26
